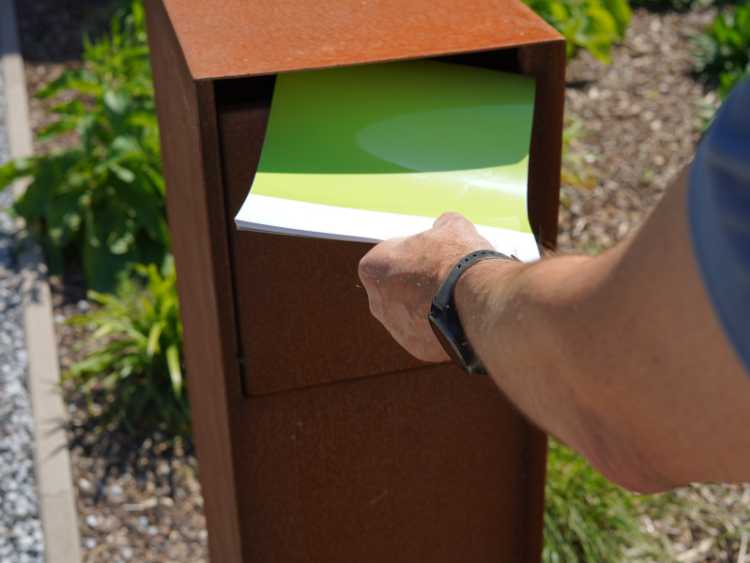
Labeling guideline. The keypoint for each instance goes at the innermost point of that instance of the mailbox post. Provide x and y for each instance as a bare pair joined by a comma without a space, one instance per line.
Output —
318,438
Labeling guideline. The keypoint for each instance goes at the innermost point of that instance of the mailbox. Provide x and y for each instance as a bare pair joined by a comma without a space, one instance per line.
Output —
318,438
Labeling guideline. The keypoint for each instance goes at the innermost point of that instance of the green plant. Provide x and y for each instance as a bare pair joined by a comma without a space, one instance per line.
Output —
132,377
723,51
586,517
576,170
593,25
99,203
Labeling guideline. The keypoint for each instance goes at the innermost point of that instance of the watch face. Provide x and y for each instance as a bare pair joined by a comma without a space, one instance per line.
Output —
446,341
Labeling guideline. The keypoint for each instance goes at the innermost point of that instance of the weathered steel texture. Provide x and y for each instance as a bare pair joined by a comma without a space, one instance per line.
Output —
232,38
546,63
422,465
190,152
339,446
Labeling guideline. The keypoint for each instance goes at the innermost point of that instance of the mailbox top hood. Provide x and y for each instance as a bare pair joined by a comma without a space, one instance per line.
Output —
234,38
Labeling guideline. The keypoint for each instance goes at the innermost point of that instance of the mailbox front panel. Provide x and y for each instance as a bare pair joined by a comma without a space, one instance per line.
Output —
426,465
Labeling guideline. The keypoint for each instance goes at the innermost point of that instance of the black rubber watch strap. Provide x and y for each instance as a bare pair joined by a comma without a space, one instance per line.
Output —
444,317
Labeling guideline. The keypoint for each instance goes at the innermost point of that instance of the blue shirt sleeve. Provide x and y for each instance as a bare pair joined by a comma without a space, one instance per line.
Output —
719,215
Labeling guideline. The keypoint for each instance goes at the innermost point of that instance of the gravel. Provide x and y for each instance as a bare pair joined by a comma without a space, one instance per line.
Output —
20,527
137,514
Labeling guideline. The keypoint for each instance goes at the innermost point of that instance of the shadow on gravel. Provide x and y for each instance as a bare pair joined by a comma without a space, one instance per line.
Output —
148,458
52,30
680,6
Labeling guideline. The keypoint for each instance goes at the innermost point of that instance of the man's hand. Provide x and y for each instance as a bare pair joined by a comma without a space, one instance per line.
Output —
402,275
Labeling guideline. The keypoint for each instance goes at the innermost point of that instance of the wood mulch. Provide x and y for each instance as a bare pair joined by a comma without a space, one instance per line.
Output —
639,119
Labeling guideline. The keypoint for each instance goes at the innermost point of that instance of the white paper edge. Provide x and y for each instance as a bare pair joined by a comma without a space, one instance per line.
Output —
299,218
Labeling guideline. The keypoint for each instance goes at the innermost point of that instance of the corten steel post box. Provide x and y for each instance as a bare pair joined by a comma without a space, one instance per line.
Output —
318,438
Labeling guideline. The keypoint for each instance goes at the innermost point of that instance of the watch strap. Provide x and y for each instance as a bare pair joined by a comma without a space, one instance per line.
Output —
444,315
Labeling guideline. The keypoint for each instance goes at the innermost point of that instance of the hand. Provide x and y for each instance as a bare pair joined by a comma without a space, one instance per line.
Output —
402,275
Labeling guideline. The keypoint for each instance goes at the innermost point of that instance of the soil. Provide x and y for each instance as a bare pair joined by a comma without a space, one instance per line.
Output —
638,121
149,510
640,118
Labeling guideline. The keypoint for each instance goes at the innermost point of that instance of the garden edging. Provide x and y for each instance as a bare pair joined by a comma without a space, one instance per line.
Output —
55,488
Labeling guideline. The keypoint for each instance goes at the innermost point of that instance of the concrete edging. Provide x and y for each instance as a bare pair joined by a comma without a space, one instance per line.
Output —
55,491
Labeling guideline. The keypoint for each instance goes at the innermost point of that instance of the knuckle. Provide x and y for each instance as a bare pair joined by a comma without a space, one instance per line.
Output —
449,217
368,268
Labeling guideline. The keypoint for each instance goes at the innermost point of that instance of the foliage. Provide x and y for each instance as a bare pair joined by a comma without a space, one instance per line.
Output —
132,378
100,203
576,171
593,25
586,517
723,51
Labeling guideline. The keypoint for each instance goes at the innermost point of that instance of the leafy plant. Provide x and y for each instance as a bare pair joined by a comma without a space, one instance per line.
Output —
593,25
132,377
723,51
100,203
586,517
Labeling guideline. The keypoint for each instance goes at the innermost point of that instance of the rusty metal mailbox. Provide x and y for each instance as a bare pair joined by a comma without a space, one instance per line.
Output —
318,438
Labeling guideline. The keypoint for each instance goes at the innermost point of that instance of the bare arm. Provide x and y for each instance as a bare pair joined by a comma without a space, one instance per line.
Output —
619,355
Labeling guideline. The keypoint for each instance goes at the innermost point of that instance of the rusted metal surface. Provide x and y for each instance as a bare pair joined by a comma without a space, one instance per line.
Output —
319,439
423,465
190,154
232,38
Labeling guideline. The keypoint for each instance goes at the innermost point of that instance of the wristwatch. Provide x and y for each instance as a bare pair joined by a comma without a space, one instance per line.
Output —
444,318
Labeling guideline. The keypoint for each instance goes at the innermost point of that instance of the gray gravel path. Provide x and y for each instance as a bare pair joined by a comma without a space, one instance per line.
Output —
20,527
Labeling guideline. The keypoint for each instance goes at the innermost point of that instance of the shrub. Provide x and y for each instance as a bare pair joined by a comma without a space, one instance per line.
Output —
99,204
586,517
132,378
593,25
723,51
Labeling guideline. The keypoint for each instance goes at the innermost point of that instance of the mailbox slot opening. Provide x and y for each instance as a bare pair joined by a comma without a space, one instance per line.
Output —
319,330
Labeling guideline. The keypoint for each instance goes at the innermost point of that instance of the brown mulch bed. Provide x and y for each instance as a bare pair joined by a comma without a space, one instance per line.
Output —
640,119
148,510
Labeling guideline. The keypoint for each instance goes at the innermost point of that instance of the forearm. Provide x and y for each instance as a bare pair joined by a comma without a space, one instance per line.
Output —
531,324
599,350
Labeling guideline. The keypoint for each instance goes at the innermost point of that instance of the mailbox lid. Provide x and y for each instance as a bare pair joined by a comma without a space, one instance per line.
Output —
234,38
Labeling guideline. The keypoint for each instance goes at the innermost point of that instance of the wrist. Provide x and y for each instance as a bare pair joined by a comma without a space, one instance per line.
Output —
482,291
489,280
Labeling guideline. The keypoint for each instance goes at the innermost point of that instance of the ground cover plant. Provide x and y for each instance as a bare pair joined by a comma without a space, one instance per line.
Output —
131,377
723,51
587,518
99,204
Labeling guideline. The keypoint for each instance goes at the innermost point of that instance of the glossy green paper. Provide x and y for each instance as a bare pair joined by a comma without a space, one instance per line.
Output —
415,138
